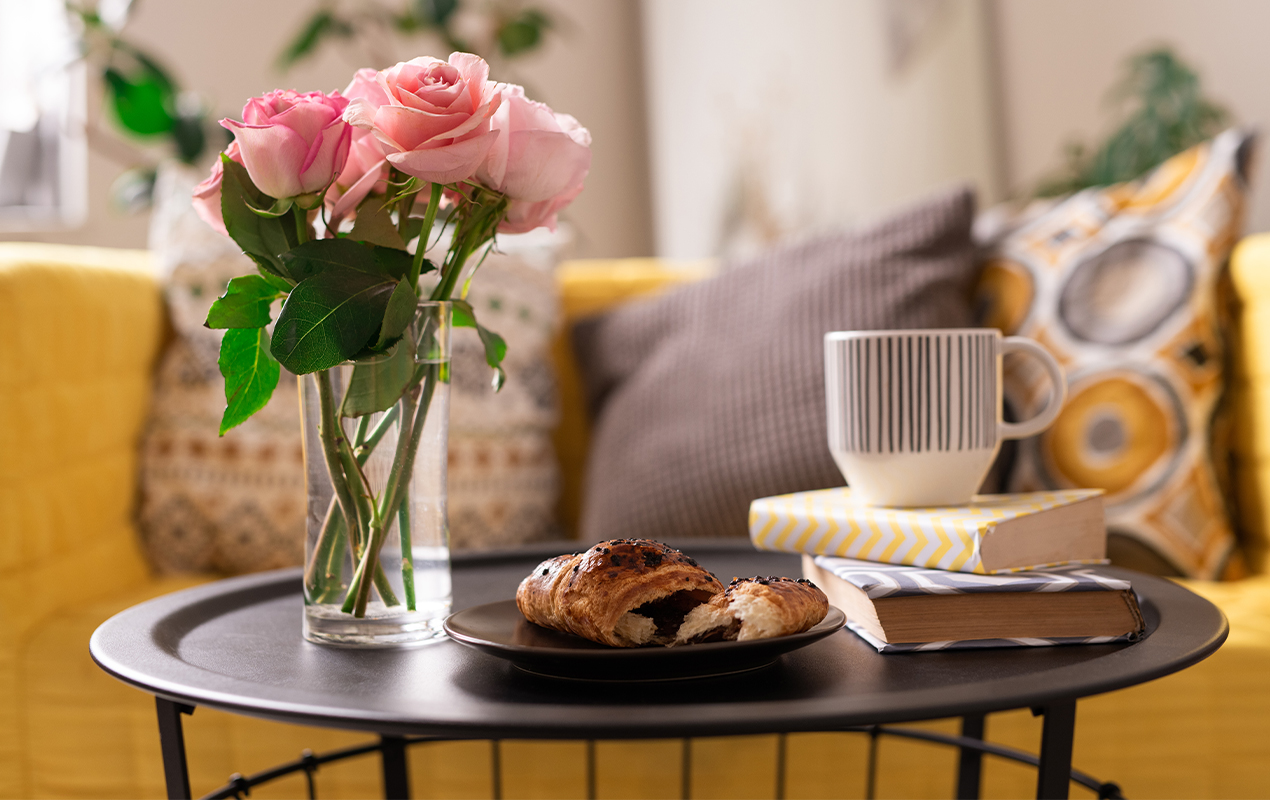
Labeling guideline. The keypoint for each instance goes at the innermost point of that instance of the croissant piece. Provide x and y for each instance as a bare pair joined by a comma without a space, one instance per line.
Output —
622,592
755,608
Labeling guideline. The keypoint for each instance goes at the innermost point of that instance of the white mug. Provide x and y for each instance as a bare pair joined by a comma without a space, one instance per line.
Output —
915,415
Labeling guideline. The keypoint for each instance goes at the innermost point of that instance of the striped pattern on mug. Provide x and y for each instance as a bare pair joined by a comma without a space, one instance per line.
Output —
912,391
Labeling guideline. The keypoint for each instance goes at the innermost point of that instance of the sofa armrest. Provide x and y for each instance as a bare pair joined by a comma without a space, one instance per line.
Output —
80,330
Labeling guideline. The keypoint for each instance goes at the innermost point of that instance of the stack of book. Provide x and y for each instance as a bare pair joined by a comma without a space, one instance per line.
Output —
1004,570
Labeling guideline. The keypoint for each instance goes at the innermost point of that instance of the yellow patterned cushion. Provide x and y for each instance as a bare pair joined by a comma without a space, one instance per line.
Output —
1122,285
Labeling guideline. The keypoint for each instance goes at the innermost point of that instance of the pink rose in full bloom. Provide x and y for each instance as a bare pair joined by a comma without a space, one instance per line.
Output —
207,193
540,161
435,123
293,144
366,169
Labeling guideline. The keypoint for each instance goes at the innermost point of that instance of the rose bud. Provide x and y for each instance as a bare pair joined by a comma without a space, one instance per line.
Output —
292,144
435,123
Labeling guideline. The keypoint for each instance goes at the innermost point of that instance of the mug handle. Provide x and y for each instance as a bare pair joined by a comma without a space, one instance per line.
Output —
1033,426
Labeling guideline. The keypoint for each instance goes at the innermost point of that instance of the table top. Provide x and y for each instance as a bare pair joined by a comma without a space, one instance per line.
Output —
236,645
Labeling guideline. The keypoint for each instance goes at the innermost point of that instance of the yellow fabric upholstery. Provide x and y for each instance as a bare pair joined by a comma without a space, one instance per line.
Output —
1250,394
79,330
79,333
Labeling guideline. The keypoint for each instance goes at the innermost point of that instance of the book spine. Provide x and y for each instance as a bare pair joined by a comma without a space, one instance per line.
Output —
793,524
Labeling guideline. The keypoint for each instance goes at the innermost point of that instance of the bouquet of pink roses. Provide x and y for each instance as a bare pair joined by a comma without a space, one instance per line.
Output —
327,193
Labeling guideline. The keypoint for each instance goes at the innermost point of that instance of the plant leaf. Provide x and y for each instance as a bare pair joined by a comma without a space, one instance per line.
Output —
265,240
374,225
464,316
313,258
245,304
322,25
142,102
397,262
251,374
330,317
398,313
379,383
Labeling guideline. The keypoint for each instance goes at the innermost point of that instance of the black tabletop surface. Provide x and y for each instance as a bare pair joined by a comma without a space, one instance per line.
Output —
236,645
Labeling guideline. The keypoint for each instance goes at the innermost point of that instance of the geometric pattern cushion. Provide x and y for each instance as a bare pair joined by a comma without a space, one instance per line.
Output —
1126,286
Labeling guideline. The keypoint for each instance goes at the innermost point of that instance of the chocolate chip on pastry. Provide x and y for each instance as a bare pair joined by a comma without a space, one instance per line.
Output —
623,592
755,608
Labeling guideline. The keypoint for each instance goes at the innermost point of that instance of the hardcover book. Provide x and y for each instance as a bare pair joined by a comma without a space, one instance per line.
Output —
994,534
899,609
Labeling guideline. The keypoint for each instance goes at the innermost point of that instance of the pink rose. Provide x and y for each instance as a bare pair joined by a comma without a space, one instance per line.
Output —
435,123
292,143
207,193
366,169
540,161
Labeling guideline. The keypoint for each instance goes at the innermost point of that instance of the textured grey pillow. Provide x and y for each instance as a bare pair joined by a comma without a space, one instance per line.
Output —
711,396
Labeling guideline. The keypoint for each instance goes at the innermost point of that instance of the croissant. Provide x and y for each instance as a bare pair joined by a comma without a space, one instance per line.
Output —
755,608
623,592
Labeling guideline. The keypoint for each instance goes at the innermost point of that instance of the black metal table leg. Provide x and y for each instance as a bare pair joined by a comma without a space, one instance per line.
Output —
172,743
1054,772
396,771
970,761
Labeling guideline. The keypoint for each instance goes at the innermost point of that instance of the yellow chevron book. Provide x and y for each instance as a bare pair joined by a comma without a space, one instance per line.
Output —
995,533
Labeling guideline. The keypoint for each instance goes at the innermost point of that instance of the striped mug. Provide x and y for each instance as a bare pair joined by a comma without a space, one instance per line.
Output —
915,416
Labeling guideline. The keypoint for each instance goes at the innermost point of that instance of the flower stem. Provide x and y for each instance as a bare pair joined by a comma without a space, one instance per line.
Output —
407,551
429,217
331,435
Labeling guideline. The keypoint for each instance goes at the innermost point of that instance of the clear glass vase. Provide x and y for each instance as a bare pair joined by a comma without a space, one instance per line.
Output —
377,555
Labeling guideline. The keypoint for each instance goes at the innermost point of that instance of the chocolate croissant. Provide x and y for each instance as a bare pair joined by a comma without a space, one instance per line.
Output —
755,608
623,592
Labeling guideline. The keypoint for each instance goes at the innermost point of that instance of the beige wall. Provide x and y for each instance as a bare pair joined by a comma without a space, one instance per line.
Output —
1059,57
791,123
590,68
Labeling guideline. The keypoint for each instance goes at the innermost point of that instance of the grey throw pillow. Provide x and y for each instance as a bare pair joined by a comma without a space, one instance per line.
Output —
711,396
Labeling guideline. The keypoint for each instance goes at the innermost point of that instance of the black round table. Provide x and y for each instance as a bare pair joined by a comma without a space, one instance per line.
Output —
236,645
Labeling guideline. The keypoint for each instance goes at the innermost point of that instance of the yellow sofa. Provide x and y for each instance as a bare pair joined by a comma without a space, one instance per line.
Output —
80,330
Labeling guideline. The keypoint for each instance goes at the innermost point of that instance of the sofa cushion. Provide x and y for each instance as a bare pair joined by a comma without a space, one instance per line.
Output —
713,395
1123,285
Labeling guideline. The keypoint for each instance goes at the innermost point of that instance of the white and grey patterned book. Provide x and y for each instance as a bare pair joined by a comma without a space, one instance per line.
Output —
900,608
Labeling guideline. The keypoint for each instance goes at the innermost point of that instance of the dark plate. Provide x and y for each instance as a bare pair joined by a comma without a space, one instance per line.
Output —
501,630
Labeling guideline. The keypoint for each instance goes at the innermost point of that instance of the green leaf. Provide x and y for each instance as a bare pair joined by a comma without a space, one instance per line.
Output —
377,384
277,281
397,315
189,135
265,240
522,33
435,12
322,25
250,373
330,317
397,262
245,304
374,225
143,103
313,258
464,316
276,210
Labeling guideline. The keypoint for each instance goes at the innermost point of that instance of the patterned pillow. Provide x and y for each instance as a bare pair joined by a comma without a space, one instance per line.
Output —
1124,286
236,503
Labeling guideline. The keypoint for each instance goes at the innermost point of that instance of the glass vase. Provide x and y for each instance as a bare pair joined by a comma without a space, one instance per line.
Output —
377,556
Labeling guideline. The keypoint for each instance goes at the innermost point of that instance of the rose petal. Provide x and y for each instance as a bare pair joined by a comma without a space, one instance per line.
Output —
542,164
411,130
326,157
354,195
307,119
272,155
448,164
